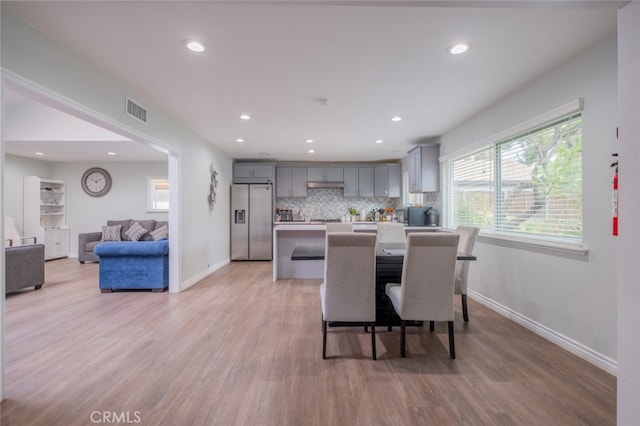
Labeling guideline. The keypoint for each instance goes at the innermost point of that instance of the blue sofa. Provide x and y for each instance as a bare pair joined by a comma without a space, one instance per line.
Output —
128,265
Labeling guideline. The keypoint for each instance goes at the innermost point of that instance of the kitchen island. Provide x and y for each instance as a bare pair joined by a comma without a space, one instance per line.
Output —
309,238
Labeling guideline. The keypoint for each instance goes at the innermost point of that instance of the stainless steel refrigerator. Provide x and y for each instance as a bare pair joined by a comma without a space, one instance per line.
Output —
251,221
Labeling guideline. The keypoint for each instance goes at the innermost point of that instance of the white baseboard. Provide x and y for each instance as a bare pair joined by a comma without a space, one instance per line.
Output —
210,270
599,360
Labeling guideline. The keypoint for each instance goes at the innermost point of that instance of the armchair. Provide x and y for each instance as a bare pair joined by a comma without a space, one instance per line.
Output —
24,263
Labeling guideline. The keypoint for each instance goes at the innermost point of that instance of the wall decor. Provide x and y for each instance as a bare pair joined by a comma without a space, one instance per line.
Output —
213,186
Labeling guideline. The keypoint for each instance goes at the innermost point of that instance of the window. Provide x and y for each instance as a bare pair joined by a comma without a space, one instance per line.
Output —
158,194
529,184
408,198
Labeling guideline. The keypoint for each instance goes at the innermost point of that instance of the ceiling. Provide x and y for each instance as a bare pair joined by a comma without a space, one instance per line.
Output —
334,72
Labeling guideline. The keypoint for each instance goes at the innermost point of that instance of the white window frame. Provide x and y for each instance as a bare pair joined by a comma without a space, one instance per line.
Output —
573,249
152,199
410,198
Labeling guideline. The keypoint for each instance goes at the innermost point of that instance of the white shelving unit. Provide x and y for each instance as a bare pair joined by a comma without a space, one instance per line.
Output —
44,215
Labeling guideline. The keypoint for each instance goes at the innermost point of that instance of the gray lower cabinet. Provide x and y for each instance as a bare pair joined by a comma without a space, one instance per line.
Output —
388,180
424,168
291,182
358,182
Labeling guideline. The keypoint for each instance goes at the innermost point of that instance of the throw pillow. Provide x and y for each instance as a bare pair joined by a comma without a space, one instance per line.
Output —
125,226
111,233
136,231
160,233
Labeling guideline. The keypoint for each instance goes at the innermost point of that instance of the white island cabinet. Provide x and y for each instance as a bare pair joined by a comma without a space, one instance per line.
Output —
285,239
288,237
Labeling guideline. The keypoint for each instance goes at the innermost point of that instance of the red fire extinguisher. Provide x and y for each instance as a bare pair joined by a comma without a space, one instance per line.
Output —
614,204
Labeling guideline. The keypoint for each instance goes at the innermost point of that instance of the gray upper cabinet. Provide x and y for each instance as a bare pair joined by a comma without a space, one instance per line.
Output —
291,182
358,181
325,174
351,182
365,181
388,180
253,173
424,169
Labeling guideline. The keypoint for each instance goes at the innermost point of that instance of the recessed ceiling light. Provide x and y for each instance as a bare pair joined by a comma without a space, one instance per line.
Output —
459,48
379,141
396,118
311,151
111,153
39,153
195,46
245,117
239,140
309,141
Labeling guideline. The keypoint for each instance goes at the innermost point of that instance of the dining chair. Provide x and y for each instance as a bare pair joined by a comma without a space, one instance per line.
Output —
425,292
348,293
468,237
389,232
339,227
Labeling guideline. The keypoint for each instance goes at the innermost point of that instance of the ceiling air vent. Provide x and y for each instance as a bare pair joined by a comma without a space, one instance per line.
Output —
136,110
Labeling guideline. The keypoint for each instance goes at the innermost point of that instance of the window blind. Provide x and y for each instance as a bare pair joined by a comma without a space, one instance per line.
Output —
540,181
472,186
529,184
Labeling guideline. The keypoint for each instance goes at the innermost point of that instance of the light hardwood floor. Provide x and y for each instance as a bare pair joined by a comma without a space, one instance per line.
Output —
237,349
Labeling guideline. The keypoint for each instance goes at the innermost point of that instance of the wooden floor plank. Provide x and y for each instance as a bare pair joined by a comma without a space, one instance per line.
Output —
238,349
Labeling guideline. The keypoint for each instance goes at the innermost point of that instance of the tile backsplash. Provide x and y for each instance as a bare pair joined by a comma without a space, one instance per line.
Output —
330,203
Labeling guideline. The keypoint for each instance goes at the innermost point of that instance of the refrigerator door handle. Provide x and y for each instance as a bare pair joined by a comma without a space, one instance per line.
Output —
239,216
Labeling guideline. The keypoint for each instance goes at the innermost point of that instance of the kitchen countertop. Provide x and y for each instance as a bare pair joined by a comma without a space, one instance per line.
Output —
357,225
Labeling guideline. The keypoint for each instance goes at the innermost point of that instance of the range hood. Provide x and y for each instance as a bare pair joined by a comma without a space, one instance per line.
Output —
323,184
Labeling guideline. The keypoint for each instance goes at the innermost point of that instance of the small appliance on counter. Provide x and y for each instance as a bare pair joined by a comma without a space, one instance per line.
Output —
433,217
422,216
284,215
401,215
417,216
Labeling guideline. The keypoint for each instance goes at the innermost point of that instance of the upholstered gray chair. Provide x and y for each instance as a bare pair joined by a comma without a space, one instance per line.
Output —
468,237
24,263
348,293
425,292
389,232
339,227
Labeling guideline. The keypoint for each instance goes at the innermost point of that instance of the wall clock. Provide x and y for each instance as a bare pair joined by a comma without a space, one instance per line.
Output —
96,182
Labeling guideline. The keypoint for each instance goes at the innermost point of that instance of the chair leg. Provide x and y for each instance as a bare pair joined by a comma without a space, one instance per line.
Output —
366,328
465,312
324,339
389,328
373,341
452,345
432,325
402,338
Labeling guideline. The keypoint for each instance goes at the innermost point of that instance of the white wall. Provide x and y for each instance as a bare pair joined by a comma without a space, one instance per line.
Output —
629,249
126,200
203,233
575,298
